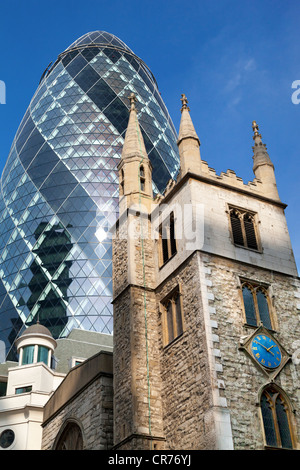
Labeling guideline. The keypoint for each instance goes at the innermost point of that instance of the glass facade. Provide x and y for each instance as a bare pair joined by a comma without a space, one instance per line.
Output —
59,188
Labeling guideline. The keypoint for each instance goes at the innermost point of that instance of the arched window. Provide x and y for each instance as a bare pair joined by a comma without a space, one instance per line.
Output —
263,307
256,304
236,226
71,438
250,231
276,417
249,305
243,228
172,316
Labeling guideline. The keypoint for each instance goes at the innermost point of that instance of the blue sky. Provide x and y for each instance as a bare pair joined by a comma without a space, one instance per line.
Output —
235,60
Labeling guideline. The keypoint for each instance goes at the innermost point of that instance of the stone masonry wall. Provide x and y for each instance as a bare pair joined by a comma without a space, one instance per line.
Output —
240,378
136,358
93,410
186,375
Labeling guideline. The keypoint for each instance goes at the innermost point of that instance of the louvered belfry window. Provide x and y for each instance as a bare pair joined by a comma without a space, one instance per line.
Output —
243,228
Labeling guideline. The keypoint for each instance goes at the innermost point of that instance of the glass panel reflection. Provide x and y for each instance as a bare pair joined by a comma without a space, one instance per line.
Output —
59,188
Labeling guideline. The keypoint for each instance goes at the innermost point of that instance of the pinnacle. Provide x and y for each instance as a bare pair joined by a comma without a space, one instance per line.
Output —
256,136
186,129
260,154
133,143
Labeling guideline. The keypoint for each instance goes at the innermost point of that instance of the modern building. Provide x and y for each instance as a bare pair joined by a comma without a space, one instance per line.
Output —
44,363
59,188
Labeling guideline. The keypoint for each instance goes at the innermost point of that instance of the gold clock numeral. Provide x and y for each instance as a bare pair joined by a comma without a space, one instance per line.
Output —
257,355
262,361
254,347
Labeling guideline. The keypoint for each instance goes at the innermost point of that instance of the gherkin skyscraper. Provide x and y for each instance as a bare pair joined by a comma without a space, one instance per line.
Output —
59,188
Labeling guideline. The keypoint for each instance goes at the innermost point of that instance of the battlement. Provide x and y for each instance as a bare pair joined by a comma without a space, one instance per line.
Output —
230,178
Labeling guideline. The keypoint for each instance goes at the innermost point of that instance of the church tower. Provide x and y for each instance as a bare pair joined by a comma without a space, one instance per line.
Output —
137,384
206,314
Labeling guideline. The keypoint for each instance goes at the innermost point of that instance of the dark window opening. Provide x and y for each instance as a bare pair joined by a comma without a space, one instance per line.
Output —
142,178
243,228
167,239
122,183
23,389
276,419
256,304
173,316
71,438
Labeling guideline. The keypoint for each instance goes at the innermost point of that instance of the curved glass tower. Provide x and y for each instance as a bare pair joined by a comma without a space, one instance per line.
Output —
59,188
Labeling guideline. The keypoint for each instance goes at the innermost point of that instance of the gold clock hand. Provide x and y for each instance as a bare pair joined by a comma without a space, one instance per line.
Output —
265,347
260,344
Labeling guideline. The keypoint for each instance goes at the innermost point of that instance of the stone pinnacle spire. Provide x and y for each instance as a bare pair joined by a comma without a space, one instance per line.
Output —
186,130
135,169
260,154
188,142
263,167
133,143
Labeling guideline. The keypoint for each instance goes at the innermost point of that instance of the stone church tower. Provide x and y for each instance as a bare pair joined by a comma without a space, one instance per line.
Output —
206,305
137,376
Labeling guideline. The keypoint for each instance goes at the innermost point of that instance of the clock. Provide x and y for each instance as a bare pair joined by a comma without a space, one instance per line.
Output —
266,351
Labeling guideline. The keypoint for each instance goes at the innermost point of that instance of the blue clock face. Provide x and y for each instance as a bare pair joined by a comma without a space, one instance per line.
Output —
266,351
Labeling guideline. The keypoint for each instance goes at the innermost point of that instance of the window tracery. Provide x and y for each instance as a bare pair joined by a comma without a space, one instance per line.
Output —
276,416
256,304
243,228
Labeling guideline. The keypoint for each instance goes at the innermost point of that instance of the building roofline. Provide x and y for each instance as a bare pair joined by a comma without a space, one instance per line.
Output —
77,379
219,183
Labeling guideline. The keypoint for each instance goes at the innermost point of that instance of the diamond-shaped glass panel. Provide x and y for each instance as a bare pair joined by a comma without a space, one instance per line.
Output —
59,189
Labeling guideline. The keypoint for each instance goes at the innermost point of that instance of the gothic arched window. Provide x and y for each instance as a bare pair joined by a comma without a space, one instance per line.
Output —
256,304
71,438
243,228
276,419
172,316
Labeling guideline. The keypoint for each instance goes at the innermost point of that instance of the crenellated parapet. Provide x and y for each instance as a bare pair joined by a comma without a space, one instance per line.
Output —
264,183
230,178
